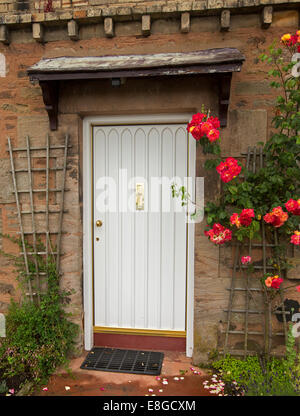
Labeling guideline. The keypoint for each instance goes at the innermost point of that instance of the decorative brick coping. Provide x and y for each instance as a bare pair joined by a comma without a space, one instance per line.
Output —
91,10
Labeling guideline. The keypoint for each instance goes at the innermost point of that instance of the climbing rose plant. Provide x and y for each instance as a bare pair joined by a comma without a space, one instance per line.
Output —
270,196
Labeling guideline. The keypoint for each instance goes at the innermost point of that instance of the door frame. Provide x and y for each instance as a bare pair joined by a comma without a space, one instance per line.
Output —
88,123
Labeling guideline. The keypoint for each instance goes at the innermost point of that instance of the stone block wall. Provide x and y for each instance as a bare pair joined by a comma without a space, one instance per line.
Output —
22,112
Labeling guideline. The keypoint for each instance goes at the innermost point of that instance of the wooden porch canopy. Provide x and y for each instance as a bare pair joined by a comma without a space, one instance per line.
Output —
221,62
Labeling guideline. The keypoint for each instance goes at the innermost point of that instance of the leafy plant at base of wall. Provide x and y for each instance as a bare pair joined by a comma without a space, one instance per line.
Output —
3,387
272,377
38,337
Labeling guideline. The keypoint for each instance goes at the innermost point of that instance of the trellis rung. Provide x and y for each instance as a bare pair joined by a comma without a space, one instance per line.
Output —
31,253
36,170
252,289
259,245
43,232
243,311
238,352
258,312
243,332
251,153
40,190
24,149
255,267
45,274
44,211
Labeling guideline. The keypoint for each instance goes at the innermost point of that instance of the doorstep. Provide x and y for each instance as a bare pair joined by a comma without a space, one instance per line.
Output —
102,383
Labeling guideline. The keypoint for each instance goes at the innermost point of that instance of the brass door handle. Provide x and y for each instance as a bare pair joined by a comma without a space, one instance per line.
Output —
99,223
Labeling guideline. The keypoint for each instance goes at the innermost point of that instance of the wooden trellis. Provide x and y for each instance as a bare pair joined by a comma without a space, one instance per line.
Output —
30,191
254,295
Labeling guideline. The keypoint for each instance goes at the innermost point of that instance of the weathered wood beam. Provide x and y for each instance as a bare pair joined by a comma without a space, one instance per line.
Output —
225,21
267,17
136,73
109,27
185,22
4,34
146,25
38,32
73,30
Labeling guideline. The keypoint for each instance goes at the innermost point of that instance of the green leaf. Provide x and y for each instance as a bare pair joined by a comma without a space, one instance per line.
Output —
209,219
233,189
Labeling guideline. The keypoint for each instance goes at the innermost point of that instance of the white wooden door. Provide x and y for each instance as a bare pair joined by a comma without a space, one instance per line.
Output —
140,249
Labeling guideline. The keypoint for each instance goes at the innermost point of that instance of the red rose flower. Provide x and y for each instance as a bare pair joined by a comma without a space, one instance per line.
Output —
206,127
276,217
196,132
273,281
219,234
246,259
293,206
214,121
229,169
213,135
235,220
295,239
196,120
276,282
246,216
200,127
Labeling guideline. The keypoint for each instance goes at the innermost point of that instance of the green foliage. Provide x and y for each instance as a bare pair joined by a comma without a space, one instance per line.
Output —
279,179
259,377
212,148
39,337
180,192
272,379
3,387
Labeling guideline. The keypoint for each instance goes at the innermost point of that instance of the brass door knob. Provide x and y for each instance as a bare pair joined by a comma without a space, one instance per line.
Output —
99,223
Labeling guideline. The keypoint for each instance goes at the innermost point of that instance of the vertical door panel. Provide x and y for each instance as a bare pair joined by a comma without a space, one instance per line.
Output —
126,288
154,234
141,274
180,237
113,232
100,264
167,230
